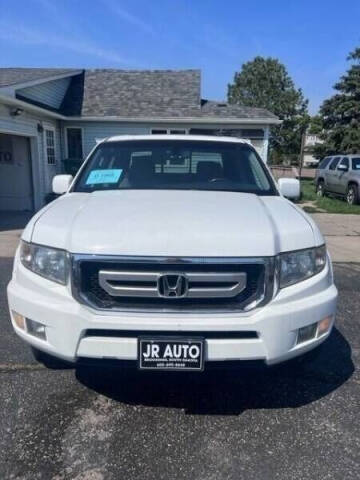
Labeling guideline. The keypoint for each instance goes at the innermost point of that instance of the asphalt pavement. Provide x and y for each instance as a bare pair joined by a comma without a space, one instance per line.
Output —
95,424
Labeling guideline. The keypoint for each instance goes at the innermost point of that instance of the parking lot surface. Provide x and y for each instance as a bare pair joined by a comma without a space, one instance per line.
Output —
95,424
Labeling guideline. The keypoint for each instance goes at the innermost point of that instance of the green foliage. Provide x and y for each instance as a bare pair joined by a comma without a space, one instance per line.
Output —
265,83
340,114
324,204
315,125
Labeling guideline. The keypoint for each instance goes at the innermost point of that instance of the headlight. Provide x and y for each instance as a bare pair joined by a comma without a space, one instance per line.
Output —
50,263
300,265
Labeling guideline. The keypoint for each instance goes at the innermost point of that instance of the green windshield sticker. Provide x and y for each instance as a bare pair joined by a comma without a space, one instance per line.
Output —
104,176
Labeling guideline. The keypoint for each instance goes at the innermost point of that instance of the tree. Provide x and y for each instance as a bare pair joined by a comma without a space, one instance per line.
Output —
315,125
340,114
265,83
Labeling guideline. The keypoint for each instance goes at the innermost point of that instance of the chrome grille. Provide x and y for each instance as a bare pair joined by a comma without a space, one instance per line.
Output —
132,283
172,285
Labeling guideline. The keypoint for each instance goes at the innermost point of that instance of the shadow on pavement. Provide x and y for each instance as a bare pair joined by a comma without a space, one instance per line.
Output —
224,392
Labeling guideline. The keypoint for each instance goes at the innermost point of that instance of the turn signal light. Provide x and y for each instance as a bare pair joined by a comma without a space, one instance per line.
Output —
324,325
18,319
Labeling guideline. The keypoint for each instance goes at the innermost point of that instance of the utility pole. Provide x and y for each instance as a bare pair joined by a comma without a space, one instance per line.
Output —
302,148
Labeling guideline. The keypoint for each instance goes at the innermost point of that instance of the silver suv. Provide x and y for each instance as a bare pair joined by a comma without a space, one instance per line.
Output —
339,175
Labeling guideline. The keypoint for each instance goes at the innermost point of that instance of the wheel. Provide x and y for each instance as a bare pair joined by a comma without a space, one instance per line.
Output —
48,360
320,189
352,196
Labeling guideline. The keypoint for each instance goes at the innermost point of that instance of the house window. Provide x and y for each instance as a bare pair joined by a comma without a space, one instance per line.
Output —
74,142
158,131
177,132
50,146
168,131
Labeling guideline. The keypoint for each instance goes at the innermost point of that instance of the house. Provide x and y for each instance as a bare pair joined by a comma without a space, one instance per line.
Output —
48,115
310,141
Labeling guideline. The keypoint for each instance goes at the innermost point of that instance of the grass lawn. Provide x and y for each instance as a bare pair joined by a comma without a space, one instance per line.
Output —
329,204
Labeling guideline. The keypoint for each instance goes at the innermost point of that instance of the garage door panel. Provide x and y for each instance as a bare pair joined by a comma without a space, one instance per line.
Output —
15,173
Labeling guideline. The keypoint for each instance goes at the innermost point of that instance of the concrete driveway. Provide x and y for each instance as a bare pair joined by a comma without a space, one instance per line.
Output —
342,234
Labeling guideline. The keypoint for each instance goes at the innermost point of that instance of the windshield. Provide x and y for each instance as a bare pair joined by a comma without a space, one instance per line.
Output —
175,164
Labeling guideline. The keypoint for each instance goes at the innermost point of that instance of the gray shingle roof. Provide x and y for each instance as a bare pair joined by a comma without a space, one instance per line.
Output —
135,94
12,76
225,110
142,93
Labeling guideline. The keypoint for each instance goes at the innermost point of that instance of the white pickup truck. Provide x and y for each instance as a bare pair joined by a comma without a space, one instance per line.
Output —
173,253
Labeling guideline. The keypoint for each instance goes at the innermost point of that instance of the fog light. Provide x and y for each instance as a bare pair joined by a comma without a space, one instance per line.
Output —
306,333
18,319
324,325
36,329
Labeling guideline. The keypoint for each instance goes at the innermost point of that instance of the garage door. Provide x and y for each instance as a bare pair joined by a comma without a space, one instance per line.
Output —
15,173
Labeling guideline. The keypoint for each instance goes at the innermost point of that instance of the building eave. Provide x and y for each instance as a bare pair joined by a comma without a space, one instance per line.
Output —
31,108
185,120
178,120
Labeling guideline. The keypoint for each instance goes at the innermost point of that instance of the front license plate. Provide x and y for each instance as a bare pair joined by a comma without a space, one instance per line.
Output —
160,353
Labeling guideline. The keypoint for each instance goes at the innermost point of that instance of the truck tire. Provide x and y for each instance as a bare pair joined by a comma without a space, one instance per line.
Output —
352,195
320,188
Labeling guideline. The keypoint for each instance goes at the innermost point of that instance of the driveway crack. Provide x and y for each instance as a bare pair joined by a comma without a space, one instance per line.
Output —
15,367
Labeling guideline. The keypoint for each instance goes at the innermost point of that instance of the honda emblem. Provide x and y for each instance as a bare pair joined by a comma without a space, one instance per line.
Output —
172,285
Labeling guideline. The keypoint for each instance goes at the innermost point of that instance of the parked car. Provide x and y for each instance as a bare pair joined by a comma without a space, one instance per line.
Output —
339,175
173,252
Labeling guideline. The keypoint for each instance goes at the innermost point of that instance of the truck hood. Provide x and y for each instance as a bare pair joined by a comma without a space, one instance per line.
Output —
173,223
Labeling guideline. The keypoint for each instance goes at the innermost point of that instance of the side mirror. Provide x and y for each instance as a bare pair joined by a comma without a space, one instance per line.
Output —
343,168
61,183
289,188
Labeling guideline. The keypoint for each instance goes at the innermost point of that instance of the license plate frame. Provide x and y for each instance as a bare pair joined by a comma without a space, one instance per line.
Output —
171,364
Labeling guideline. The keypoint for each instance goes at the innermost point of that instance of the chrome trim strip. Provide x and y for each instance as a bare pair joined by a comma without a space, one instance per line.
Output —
106,276
236,281
167,260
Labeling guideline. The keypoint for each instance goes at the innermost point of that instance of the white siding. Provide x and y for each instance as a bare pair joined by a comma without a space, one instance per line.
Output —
93,131
48,93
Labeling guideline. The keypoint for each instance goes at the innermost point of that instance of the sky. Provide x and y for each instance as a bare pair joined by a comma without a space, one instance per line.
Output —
312,38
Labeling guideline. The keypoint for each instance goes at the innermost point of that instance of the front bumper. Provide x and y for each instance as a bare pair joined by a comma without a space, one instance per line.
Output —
67,322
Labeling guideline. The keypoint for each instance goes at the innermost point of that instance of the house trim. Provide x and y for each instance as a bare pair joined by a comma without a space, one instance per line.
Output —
180,120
